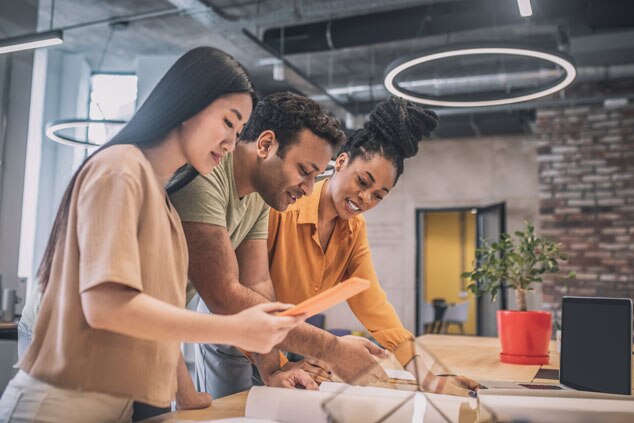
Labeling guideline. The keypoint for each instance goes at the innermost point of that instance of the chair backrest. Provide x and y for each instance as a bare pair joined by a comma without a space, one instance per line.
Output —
427,313
457,313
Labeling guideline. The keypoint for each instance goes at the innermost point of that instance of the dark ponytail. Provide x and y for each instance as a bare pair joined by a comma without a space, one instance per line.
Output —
393,130
197,78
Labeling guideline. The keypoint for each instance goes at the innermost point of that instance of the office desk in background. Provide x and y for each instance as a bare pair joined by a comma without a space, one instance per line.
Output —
9,331
475,357
8,352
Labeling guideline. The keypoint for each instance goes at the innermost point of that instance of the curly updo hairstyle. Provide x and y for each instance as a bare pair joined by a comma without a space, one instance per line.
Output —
393,130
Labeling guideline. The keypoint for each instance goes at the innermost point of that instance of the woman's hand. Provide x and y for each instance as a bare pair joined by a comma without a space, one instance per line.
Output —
187,398
256,329
192,400
441,384
453,385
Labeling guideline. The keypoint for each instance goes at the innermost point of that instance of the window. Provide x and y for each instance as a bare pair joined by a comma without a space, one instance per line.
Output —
112,97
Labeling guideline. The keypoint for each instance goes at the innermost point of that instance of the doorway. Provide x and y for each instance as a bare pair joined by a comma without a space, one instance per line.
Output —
446,241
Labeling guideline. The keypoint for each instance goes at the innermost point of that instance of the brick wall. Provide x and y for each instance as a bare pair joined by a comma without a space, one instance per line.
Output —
586,197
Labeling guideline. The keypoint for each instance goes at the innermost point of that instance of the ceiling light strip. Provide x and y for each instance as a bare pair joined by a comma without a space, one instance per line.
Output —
564,63
525,8
31,41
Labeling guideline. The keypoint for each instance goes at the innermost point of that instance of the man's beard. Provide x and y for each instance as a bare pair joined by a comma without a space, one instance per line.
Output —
268,184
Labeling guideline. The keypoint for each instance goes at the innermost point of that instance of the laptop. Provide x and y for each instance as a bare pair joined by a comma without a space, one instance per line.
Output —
596,348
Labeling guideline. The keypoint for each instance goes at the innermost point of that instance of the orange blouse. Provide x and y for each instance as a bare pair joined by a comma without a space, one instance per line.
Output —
300,269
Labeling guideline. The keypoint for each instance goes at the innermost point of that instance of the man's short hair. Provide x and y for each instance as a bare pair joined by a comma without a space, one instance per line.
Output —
287,114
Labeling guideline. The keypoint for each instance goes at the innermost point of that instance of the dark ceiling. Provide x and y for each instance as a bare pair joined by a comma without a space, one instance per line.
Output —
338,50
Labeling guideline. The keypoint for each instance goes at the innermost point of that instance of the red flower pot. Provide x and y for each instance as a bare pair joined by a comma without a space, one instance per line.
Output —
525,336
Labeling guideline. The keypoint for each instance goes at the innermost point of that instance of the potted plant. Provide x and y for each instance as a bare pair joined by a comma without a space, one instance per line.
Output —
518,264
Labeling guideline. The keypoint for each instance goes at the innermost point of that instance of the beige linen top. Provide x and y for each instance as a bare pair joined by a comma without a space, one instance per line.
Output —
121,228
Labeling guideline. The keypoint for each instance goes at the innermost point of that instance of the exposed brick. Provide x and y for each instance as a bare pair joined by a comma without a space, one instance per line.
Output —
609,278
577,111
544,113
598,116
568,194
550,158
565,179
593,162
614,231
622,177
605,124
567,210
597,254
581,203
611,201
589,194
612,246
608,170
596,178
562,149
579,187
611,139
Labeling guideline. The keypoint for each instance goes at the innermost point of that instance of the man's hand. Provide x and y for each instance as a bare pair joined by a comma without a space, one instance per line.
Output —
316,369
294,378
353,360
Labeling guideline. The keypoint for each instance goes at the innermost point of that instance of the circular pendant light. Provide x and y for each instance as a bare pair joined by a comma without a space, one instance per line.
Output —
556,58
53,128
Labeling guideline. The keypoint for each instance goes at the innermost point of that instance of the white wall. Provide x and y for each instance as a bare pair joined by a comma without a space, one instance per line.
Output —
150,70
16,73
66,93
445,173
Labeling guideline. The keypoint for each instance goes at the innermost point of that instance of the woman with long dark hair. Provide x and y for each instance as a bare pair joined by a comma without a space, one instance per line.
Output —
115,268
324,233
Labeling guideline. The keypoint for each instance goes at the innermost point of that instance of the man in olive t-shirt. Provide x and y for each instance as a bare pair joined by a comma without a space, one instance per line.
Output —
286,143
213,199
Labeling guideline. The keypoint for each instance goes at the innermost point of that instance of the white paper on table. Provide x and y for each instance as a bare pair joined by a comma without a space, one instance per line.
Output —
286,405
366,391
555,407
364,404
236,420
411,405
399,374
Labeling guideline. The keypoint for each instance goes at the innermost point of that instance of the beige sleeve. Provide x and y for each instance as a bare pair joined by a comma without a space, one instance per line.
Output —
204,200
261,228
108,206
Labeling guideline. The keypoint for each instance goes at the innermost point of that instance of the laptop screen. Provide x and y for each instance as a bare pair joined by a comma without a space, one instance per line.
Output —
596,344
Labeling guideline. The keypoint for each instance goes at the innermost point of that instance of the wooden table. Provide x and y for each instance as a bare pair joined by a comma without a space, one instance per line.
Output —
475,357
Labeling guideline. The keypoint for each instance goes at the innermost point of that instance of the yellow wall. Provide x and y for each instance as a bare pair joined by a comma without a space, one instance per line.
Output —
442,255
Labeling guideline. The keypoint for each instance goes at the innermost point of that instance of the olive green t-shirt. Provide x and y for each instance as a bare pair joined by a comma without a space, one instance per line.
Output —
214,199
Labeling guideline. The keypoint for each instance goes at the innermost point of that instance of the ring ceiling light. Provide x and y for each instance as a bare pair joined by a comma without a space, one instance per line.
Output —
52,129
564,63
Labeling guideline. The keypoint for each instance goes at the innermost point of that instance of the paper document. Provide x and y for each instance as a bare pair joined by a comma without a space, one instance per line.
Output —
554,406
354,404
399,374
238,420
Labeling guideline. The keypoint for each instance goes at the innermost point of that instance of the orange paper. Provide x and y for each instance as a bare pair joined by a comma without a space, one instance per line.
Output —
328,298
